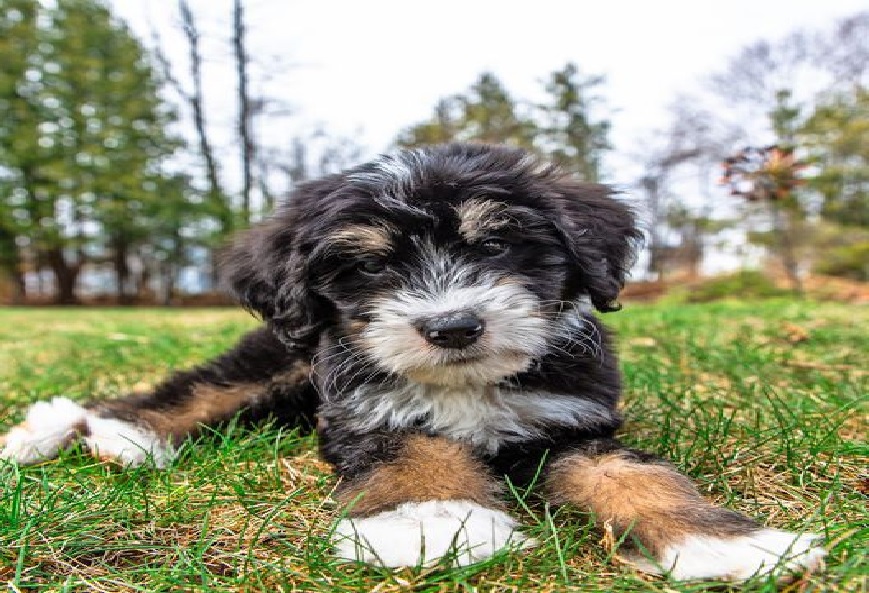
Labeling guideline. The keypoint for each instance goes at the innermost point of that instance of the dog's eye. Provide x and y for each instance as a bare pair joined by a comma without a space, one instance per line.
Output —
371,266
494,247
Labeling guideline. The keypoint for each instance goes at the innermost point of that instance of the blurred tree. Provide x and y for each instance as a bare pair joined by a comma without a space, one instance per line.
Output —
178,223
260,163
245,109
836,138
218,201
316,153
21,157
485,113
764,77
769,176
679,217
569,135
563,128
491,115
87,157
107,88
446,125
756,75
844,51
774,80
811,88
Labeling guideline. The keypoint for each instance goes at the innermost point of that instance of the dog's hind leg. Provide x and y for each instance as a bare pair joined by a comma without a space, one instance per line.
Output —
258,378
675,530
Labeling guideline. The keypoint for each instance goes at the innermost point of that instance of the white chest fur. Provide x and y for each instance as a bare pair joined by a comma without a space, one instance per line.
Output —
486,416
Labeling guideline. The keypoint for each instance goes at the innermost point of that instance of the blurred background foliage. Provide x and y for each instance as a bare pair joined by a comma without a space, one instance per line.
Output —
103,198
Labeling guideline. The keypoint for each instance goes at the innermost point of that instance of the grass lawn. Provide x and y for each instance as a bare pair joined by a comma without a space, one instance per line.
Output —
764,404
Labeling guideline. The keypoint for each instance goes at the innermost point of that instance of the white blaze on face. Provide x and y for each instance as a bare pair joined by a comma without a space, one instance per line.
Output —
514,330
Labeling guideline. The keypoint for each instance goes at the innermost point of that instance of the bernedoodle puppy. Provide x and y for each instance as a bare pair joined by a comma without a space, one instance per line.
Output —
430,313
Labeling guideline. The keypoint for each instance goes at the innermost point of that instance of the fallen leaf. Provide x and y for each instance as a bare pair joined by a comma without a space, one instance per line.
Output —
795,333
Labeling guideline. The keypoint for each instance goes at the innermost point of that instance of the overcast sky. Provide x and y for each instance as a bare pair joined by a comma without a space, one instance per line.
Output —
380,65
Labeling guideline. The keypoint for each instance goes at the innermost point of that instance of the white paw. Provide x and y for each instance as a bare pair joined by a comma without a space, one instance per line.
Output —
124,443
420,534
48,427
53,425
738,558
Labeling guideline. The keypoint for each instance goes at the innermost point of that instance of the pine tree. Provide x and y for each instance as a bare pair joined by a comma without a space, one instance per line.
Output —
21,157
571,136
89,147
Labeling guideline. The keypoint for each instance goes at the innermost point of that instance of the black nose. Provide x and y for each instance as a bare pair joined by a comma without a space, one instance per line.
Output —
451,331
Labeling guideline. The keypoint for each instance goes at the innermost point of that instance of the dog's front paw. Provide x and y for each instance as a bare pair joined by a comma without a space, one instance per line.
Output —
763,552
421,534
48,427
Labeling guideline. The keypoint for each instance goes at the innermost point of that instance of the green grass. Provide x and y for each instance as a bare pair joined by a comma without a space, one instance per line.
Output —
764,404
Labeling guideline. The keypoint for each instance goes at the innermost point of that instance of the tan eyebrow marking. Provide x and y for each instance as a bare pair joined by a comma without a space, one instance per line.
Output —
363,238
477,217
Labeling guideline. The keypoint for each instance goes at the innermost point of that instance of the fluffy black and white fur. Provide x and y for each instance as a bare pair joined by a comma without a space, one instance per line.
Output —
430,312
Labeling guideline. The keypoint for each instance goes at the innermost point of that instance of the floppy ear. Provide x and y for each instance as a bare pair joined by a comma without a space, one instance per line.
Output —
266,270
601,236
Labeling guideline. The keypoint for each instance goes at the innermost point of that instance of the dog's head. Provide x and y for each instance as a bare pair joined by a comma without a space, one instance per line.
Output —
447,264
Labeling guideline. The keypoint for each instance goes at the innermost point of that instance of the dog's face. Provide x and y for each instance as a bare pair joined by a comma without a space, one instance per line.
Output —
447,265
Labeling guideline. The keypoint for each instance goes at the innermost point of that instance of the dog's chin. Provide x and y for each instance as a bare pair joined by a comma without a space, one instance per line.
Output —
470,370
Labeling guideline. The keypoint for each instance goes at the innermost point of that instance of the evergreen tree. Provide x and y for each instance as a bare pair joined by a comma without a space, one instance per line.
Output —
836,140
563,130
485,113
89,149
836,137
22,159
570,136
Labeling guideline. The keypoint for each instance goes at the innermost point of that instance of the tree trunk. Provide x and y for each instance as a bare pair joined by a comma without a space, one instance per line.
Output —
10,261
216,197
783,229
120,250
19,296
65,275
19,286
657,249
142,283
245,113
196,101
695,250
168,270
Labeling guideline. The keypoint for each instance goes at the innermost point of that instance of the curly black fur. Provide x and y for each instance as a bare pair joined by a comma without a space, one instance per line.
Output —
572,240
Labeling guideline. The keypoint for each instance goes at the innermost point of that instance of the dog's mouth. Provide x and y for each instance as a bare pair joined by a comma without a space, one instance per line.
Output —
463,360
468,368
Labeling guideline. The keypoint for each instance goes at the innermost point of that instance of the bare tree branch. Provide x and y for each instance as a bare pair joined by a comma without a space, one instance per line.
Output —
245,108
166,66
195,100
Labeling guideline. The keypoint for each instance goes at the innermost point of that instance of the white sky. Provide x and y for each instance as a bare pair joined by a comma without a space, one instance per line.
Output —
380,65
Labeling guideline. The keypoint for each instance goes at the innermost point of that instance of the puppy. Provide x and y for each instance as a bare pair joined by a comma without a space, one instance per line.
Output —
430,313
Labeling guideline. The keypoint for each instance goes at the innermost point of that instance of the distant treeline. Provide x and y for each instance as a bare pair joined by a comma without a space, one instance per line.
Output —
96,176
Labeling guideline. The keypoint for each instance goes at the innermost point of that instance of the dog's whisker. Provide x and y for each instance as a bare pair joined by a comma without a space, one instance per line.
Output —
342,344
361,370
343,351
346,367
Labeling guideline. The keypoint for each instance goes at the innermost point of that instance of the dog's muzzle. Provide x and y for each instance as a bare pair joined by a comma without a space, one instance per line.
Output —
452,330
